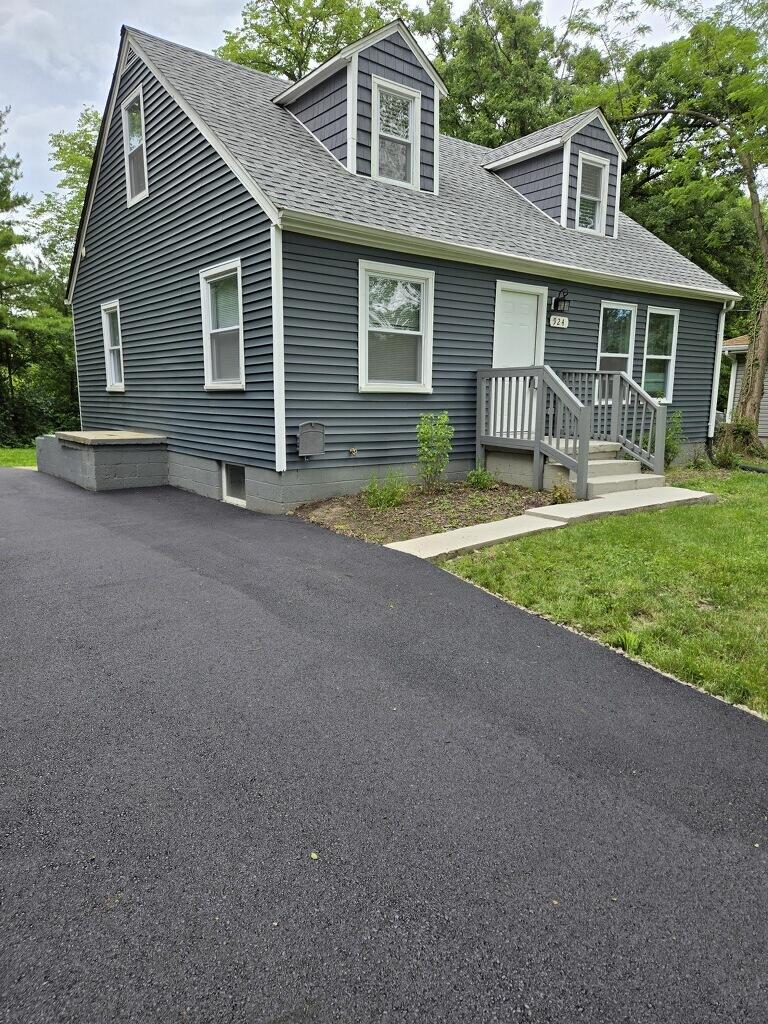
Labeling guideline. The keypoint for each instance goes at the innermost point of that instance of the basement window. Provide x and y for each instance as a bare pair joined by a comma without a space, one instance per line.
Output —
233,483
134,147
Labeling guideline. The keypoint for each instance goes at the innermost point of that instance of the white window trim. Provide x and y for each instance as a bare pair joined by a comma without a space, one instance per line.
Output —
138,91
377,85
425,277
228,497
106,308
596,161
206,276
606,304
675,314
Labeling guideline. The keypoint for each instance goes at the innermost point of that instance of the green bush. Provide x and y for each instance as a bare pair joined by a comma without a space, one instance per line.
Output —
673,444
481,479
699,459
561,494
724,454
387,493
435,434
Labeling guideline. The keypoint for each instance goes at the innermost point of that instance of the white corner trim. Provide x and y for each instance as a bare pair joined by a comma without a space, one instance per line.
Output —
229,159
675,314
137,93
731,391
379,85
278,345
605,164
424,277
352,115
619,169
610,304
542,293
436,145
728,305
206,276
566,189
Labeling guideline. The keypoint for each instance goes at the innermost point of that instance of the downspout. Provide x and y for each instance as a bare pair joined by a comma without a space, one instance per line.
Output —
727,306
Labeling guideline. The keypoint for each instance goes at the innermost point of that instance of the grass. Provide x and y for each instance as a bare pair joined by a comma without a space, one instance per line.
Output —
685,589
452,506
17,457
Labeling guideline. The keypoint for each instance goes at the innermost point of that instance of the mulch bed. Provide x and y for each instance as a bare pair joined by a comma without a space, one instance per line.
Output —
453,506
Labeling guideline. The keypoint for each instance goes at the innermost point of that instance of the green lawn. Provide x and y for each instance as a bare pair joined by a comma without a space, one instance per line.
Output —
17,457
685,589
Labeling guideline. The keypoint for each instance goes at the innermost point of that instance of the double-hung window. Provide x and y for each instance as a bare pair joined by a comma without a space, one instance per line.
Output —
592,193
616,343
660,348
134,147
221,297
395,344
396,129
113,346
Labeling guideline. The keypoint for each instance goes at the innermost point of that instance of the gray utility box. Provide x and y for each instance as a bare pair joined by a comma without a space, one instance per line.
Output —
311,439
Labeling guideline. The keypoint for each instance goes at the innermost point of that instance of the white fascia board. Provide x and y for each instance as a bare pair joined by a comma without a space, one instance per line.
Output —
229,159
335,63
525,154
596,115
361,234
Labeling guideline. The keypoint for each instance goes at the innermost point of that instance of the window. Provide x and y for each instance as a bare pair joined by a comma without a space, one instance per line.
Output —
221,297
660,347
134,147
616,344
395,345
113,346
396,129
233,483
592,193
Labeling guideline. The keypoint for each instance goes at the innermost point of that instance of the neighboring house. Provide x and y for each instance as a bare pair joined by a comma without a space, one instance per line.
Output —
736,350
254,256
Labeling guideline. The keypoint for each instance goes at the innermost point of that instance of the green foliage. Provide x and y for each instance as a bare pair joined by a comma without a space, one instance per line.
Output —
290,37
699,459
18,457
561,494
675,438
435,435
481,479
387,493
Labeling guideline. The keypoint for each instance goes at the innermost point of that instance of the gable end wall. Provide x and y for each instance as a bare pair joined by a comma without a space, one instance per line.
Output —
593,139
149,258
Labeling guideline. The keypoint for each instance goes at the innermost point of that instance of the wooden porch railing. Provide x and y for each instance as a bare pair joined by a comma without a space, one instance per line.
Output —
532,408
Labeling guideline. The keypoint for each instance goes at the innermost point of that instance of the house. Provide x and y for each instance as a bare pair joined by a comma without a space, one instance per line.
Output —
736,350
273,281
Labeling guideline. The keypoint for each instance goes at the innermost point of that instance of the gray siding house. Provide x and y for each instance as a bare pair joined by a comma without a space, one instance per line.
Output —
736,350
279,279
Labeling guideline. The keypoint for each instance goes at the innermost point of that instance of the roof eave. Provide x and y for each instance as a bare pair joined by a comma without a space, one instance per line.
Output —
524,154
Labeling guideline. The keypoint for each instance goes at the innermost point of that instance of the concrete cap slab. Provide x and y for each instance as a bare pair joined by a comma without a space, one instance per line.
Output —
98,437
467,538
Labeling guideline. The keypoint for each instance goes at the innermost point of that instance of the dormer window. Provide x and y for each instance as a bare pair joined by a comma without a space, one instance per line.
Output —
592,194
134,147
395,153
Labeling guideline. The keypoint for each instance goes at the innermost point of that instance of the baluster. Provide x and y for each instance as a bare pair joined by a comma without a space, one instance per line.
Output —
505,406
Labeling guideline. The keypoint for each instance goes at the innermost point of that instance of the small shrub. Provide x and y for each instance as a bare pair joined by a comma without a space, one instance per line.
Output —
435,435
481,479
724,454
387,493
699,459
561,494
673,444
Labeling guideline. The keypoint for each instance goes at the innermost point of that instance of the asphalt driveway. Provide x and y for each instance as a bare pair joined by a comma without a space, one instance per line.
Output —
511,823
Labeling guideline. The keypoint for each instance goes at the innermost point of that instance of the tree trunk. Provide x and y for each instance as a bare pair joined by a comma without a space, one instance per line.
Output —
753,383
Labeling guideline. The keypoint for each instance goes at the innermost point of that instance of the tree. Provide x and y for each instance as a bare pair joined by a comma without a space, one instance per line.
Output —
290,37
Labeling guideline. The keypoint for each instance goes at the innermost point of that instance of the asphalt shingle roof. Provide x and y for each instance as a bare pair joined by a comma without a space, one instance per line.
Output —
551,133
474,208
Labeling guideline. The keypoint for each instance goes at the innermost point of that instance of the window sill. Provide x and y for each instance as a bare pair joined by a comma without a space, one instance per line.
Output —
224,387
137,199
395,389
233,501
590,231
394,181
116,389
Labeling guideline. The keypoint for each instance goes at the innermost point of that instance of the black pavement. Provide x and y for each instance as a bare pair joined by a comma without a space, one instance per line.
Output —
511,823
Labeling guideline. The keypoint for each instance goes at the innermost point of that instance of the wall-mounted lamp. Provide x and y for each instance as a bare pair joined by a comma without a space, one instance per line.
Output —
561,303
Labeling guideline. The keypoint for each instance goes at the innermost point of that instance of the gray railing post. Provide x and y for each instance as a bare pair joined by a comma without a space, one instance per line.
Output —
660,443
538,455
616,406
582,468
480,422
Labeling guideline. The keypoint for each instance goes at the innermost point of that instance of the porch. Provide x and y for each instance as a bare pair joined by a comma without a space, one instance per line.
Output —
595,424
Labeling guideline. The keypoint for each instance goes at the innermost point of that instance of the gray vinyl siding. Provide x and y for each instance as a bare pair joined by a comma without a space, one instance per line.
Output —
149,257
539,179
593,139
762,424
324,111
392,58
321,350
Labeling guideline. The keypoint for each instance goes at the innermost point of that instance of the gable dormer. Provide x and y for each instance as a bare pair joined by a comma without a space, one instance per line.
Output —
570,170
376,107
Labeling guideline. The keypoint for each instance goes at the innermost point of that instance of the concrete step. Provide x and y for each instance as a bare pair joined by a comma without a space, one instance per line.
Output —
626,482
599,468
599,451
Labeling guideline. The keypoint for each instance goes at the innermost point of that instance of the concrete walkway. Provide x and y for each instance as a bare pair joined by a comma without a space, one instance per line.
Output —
468,538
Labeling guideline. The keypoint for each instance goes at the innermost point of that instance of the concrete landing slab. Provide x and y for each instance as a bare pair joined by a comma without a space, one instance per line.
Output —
98,437
624,501
454,542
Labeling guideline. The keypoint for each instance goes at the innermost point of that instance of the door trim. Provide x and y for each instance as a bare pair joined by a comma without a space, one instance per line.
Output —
542,293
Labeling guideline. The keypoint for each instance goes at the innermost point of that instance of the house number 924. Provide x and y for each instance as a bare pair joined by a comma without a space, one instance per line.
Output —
558,321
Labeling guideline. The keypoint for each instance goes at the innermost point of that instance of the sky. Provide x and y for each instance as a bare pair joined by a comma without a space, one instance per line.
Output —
57,55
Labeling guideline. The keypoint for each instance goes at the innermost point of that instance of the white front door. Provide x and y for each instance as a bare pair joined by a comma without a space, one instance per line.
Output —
518,341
